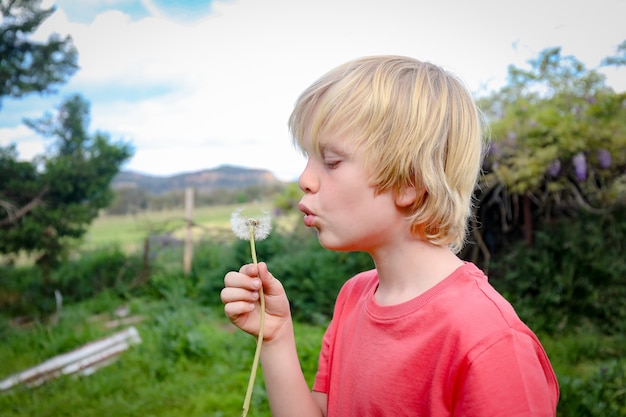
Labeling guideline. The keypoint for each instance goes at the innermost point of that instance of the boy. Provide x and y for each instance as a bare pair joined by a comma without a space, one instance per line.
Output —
394,150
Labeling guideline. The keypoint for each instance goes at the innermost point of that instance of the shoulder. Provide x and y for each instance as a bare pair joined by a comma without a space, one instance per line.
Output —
360,283
356,289
500,353
472,296
472,311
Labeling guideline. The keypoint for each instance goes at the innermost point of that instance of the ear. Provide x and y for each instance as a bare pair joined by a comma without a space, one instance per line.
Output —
406,196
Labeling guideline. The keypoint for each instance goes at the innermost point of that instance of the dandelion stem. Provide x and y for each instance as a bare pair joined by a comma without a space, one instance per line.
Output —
259,342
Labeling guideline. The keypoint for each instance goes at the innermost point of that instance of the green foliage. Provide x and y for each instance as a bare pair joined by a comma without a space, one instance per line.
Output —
23,292
572,276
287,201
29,66
189,363
558,140
51,201
96,272
603,394
591,372
559,134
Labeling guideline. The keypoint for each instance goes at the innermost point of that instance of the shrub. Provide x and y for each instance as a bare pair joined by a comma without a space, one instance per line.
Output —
571,277
601,395
96,271
24,292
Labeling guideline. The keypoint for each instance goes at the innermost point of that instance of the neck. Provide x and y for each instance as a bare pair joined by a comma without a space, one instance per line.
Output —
411,268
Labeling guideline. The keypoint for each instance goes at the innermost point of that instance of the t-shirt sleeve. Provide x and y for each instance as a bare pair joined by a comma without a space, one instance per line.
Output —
321,382
509,375
322,378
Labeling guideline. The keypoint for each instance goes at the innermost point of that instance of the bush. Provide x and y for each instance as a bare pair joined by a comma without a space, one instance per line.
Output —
93,272
573,275
24,292
601,395
212,261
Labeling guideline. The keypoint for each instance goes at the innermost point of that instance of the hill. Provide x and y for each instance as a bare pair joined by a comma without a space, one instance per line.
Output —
204,181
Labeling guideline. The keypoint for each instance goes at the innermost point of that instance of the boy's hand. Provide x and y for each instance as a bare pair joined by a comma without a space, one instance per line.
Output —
241,300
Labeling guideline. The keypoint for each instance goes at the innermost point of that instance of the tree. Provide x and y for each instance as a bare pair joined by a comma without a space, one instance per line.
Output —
58,195
558,140
27,66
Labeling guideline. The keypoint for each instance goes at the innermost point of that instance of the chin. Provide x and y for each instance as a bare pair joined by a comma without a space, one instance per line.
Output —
336,246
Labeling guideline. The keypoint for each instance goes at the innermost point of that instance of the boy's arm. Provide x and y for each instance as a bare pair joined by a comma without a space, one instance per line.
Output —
286,386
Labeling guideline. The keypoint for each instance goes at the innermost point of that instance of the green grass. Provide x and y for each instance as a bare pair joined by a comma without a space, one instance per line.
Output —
191,362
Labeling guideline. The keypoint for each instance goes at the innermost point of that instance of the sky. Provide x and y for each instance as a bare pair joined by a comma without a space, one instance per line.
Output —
196,84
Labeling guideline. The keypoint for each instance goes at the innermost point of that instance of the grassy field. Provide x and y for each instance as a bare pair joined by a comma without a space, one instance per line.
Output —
129,231
191,362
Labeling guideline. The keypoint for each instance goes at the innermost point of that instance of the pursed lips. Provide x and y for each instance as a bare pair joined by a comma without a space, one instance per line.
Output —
309,217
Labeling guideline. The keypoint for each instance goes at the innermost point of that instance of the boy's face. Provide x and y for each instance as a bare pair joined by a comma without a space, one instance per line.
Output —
339,202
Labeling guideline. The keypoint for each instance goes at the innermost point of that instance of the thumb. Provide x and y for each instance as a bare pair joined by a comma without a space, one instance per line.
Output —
271,285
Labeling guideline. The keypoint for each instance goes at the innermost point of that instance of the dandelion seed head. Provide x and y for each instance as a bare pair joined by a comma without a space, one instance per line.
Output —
241,226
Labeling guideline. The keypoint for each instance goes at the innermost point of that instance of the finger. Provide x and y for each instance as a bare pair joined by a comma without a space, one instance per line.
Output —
250,269
264,274
271,285
240,280
233,294
237,309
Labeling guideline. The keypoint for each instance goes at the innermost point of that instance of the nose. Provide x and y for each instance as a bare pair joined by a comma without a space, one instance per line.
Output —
308,181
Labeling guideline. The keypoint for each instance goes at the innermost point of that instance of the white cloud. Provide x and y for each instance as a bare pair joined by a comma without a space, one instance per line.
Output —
228,81
30,145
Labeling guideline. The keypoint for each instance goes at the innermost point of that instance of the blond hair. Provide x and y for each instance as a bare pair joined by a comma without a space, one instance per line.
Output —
415,125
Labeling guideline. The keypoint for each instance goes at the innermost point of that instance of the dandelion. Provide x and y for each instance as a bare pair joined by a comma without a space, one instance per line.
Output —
243,227
252,229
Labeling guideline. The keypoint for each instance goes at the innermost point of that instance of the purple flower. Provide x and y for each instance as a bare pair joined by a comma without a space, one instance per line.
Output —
580,166
604,157
493,149
554,168
511,136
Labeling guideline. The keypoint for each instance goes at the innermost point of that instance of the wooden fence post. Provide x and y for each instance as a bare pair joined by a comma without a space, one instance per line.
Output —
188,255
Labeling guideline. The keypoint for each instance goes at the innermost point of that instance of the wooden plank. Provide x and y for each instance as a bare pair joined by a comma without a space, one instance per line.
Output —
85,360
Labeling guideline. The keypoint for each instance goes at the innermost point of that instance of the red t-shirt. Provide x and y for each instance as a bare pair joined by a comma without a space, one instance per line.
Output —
457,350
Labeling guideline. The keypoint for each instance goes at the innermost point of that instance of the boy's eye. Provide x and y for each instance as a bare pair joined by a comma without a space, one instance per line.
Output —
331,163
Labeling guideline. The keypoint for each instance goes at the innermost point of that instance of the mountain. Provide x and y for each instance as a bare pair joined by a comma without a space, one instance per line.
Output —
205,181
